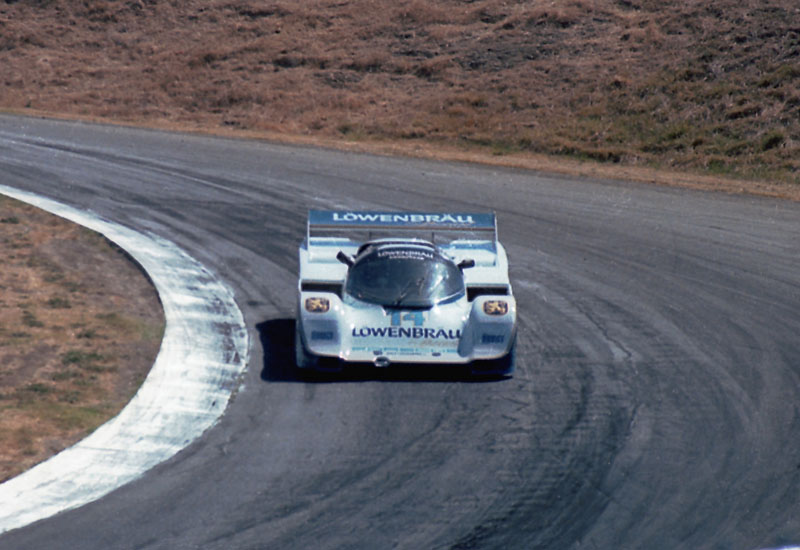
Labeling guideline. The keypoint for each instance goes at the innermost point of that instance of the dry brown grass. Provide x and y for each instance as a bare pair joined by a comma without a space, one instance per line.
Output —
79,329
703,87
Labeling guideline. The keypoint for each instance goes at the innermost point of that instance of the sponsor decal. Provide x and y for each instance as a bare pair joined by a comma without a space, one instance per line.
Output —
407,332
417,316
376,217
406,254
416,332
317,305
495,307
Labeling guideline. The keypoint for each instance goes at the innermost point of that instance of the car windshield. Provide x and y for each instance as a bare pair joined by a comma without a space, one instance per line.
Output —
404,277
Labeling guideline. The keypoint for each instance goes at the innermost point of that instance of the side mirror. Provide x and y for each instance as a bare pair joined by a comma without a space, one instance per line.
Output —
345,259
466,264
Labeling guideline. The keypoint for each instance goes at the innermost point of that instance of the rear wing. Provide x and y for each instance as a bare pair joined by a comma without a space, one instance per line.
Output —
331,228
462,236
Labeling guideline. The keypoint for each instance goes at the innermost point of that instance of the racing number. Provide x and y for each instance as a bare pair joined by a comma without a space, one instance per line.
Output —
416,316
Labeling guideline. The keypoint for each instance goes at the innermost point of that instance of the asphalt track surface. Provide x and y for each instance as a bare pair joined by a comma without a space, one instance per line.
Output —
655,403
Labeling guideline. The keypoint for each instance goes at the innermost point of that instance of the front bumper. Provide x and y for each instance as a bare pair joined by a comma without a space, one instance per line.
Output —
457,333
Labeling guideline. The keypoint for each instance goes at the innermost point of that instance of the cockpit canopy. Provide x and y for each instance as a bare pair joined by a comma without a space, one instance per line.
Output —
404,275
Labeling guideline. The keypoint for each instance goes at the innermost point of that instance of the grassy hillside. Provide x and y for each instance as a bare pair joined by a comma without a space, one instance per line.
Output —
702,86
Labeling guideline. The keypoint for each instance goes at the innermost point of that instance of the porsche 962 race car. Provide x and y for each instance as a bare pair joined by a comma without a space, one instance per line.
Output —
395,287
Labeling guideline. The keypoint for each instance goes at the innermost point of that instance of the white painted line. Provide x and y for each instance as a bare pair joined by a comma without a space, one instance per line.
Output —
204,352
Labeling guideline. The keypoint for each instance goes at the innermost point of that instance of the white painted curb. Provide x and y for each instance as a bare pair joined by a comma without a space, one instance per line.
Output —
204,351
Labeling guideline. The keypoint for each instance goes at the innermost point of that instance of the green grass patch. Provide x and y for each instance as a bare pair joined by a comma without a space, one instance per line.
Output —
87,334
88,361
772,139
38,388
783,74
65,375
22,437
82,359
29,319
149,332
58,302
65,415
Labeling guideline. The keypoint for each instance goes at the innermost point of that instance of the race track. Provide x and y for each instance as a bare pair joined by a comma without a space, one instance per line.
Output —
655,403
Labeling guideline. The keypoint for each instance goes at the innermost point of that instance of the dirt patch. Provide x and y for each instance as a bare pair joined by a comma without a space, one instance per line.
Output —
80,327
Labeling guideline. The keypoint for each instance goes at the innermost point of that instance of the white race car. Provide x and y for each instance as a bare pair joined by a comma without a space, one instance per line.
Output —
392,287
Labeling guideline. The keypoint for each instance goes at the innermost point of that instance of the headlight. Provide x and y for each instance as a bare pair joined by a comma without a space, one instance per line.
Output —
317,305
495,307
